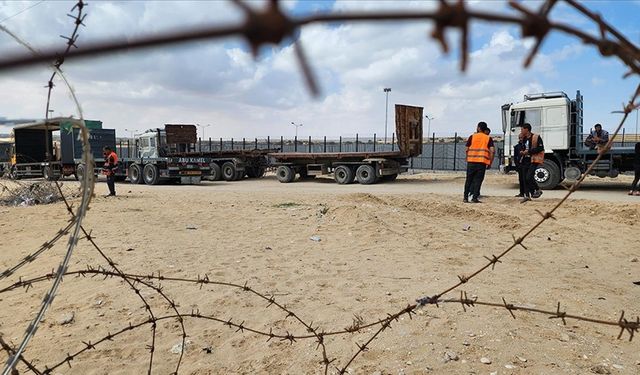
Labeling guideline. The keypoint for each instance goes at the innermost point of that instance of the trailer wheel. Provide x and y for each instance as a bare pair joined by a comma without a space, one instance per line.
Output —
229,172
216,172
151,175
285,174
547,175
135,174
390,177
343,175
366,174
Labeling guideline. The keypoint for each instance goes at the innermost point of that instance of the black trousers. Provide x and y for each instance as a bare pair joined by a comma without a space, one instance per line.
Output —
634,184
111,183
522,173
475,176
530,182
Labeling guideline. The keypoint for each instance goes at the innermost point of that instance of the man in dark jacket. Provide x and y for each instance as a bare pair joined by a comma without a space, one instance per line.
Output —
532,157
520,168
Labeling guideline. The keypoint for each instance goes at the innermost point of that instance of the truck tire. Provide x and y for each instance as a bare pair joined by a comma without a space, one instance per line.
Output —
135,174
389,177
366,174
229,172
343,175
285,174
151,174
547,175
216,172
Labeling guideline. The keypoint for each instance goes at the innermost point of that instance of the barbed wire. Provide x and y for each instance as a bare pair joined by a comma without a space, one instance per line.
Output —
271,26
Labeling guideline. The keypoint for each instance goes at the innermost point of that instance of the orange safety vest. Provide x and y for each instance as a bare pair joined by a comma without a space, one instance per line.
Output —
479,150
539,157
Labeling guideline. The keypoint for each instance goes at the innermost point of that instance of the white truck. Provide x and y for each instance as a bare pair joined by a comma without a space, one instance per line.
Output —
559,121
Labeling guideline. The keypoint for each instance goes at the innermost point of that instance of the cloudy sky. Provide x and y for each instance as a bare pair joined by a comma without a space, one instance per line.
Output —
221,84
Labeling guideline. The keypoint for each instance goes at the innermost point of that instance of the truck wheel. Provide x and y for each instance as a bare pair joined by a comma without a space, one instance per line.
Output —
151,174
343,175
135,174
366,174
285,174
216,172
229,172
390,177
547,175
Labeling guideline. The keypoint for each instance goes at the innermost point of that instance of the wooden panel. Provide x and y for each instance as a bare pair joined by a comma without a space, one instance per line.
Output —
181,134
409,129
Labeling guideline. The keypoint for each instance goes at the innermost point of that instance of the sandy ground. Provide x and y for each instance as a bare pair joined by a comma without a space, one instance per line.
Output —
381,247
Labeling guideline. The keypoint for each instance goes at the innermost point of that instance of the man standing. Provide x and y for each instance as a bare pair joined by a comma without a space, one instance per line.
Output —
597,138
109,169
522,170
532,157
480,151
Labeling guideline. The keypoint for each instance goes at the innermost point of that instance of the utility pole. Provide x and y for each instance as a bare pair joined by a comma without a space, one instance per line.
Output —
297,126
429,126
386,90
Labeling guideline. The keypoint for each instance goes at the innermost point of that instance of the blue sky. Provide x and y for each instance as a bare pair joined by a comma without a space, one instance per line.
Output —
220,83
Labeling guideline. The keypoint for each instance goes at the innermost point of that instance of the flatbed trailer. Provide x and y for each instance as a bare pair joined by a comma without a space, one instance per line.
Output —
233,165
364,167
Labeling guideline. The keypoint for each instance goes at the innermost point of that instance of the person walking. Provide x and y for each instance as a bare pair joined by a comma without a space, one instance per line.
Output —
532,158
109,169
635,187
480,151
520,168
487,131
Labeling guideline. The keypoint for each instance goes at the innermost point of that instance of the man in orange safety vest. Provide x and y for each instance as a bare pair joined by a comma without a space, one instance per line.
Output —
480,151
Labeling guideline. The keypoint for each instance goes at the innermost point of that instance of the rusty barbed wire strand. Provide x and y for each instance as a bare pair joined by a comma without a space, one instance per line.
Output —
6,347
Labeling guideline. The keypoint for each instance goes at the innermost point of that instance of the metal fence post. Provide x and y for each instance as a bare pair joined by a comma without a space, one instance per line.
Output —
433,150
232,144
281,143
455,148
623,129
268,143
309,144
209,144
295,144
199,144
220,144
340,145
325,144
374,142
356,142
244,141
393,141
256,143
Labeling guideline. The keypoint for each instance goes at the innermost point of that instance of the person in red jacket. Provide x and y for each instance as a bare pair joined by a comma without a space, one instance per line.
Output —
109,169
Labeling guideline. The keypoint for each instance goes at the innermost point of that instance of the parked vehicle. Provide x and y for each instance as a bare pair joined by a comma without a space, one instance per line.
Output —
559,121
364,167
159,155
35,154
6,148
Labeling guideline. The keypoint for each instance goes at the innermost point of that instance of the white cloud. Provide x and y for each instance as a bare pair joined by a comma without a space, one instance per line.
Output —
219,82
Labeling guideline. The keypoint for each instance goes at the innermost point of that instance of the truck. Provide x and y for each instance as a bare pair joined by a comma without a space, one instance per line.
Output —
228,165
161,155
363,167
558,119
6,146
34,153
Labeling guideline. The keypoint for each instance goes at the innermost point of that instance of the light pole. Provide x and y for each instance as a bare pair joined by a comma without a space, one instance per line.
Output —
297,126
429,126
203,127
386,90
132,132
